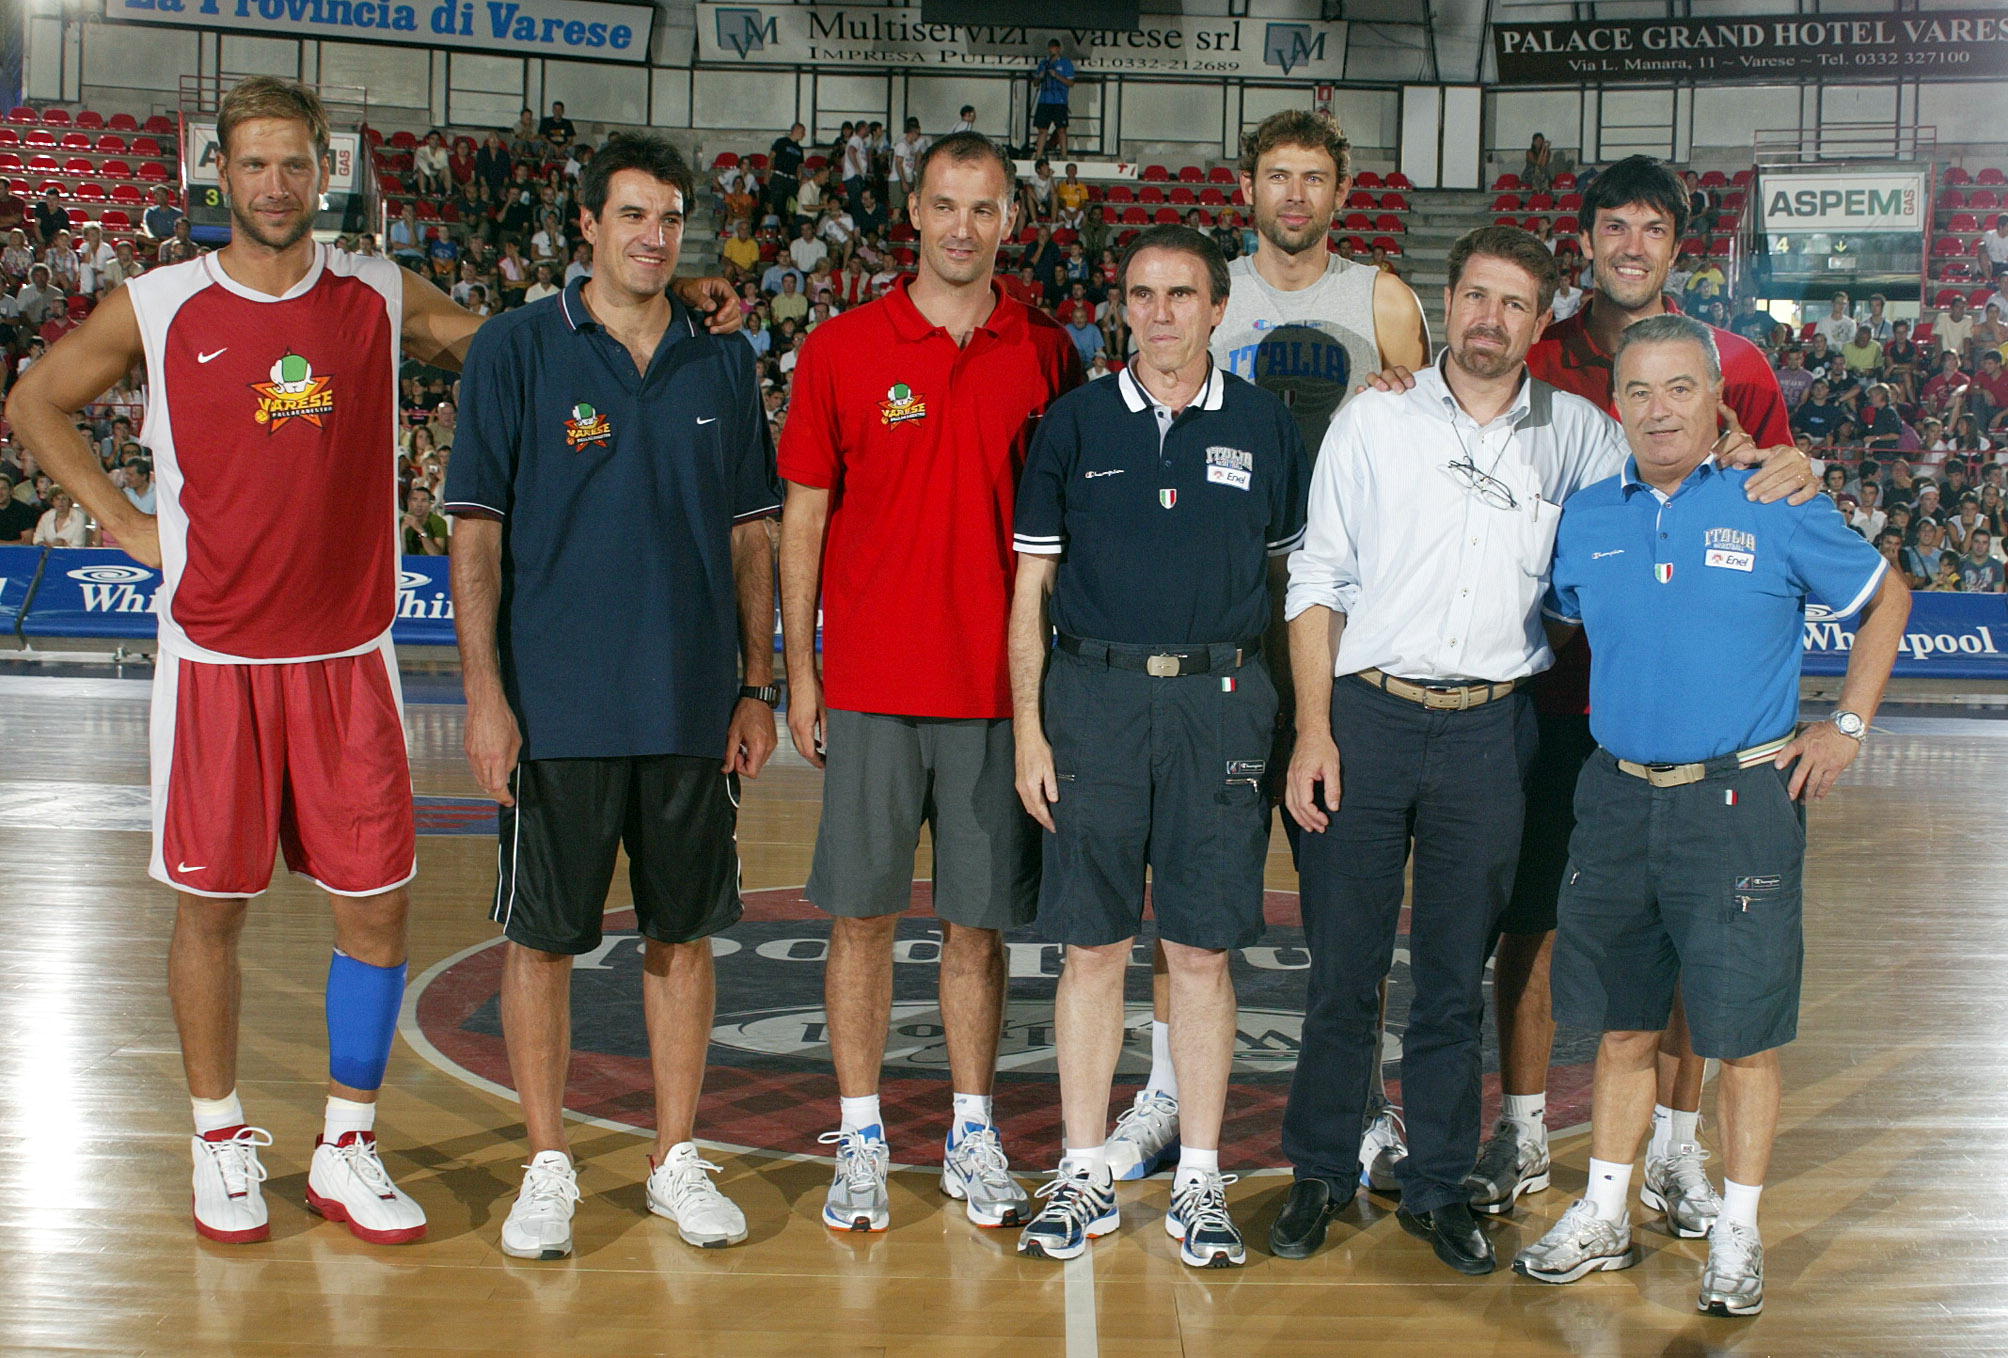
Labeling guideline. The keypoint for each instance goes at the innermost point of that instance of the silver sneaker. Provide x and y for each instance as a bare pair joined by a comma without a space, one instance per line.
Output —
1678,1186
976,1173
1581,1242
1080,1206
1732,1281
1382,1147
858,1200
1146,1136
1198,1221
1509,1163
540,1221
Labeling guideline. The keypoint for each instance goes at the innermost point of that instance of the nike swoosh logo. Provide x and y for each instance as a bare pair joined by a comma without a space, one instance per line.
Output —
186,868
712,420
204,358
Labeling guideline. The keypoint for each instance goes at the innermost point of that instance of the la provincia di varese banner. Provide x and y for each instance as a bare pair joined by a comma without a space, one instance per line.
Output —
1161,44
589,29
92,592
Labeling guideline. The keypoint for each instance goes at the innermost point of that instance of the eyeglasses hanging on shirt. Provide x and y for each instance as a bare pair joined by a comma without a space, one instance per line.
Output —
1483,484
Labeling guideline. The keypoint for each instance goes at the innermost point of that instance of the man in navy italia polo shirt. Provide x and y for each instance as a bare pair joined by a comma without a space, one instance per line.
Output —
1159,710
1685,866
610,574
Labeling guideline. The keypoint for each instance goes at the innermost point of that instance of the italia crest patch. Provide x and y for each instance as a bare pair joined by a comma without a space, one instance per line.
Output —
900,405
1663,571
588,426
1167,497
294,393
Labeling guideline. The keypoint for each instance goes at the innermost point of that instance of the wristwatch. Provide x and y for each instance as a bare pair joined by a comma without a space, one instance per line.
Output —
771,695
1850,724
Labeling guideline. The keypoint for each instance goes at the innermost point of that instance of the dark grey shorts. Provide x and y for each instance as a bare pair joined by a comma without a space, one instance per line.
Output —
1164,773
883,778
1697,887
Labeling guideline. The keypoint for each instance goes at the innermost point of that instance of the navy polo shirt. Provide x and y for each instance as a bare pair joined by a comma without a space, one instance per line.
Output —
1163,523
618,493
1695,606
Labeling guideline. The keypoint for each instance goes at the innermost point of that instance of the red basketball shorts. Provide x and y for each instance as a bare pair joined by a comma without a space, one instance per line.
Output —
307,757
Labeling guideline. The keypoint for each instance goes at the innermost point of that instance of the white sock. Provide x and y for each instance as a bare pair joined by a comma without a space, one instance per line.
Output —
213,1115
1739,1202
1684,1128
1091,1160
859,1114
1192,1164
1608,1184
345,1116
1661,1144
1529,1112
1163,1075
970,1110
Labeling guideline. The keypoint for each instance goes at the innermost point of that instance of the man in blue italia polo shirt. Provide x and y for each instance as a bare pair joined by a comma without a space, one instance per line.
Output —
611,573
1685,866
1154,512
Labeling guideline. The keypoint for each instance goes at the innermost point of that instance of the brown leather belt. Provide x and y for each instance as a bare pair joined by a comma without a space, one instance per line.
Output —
1680,775
1442,697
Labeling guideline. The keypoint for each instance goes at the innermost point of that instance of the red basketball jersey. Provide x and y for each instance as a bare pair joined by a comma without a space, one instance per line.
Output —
272,422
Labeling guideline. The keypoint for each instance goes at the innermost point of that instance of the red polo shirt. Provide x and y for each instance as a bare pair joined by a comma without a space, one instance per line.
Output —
1567,356
920,442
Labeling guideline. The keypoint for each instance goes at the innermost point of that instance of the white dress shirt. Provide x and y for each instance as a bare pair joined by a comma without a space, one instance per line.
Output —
1436,582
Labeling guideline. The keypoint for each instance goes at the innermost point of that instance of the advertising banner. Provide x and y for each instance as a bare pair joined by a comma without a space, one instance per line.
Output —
1851,201
1949,636
592,30
1161,44
1779,48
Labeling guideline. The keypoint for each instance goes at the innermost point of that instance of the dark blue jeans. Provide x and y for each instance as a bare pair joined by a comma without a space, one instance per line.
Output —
1450,784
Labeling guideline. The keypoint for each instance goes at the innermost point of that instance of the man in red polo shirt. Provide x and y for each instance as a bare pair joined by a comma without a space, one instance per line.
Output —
910,422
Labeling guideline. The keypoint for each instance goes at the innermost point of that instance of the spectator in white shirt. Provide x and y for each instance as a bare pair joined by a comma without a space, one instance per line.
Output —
543,287
582,263
807,251
857,166
429,167
1994,242
906,154
63,523
1837,325
139,484
965,121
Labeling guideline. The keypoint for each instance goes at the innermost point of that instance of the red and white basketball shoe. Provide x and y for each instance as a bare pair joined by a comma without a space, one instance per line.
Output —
229,1202
347,1182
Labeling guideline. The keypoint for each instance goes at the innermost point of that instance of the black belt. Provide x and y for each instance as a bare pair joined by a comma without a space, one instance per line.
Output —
1165,662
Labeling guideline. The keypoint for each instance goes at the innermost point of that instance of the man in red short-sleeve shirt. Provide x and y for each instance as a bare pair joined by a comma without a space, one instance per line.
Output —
910,421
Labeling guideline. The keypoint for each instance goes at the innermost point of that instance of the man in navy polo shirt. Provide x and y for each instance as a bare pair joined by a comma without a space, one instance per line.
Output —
1685,866
1159,710
610,573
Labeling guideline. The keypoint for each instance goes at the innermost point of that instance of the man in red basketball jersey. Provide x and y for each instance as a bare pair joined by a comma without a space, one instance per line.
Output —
277,722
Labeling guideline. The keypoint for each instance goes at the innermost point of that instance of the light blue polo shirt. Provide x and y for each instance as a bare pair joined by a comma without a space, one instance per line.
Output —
1695,606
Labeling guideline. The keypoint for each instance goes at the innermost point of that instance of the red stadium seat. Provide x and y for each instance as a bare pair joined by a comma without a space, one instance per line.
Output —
1229,217
1506,202
76,141
1398,180
1946,297
115,219
907,258
79,308
1542,202
391,184
1367,179
1360,198
758,160
79,219
1122,193
1150,193
46,164
1505,221
1953,271
1570,202
1028,235
1355,245
10,162
8,136
127,194
1567,245
1205,217
23,116
1532,225
1565,182
404,141
1733,202
1238,198
1722,249
1954,174
145,146
901,232
1921,332
55,117
1714,179
1507,181
1952,200
90,118
1184,196
153,172
1109,214
428,211
1192,174
1978,298
1962,221
1387,221
814,163
122,122
1728,223
111,143
80,165
1124,238
1567,226
1742,179
1167,216
1394,202
1984,200
117,169
1358,221
160,125
725,160
1065,236
1221,174
1212,197
1136,216
1387,243
1991,175
1155,174
40,136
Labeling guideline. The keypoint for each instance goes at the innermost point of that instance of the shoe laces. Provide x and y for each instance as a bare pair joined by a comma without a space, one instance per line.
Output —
1144,1117
1732,1247
548,1186
360,1155
861,1160
236,1159
1074,1198
982,1153
1201,1204
1684,1169
1387,1128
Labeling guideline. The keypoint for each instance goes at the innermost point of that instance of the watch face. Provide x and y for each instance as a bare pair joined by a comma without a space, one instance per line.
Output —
1849,723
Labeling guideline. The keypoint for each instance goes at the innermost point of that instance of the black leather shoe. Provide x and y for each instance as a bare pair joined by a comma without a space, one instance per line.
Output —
1459,1240
1299,1229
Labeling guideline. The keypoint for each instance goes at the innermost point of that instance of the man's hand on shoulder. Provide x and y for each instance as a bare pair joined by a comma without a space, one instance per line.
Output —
1783,473
714,299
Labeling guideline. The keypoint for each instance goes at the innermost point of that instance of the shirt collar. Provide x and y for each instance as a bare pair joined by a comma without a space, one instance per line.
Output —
579,316
1005,319
1632,483
1138,398
1579,345
1533,404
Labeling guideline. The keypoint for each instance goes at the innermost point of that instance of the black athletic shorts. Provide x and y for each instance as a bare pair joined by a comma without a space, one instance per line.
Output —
676,815
1049,115
1551,817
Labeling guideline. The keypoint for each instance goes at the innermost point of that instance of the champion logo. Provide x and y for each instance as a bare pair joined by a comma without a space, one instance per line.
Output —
1599,556
1112,471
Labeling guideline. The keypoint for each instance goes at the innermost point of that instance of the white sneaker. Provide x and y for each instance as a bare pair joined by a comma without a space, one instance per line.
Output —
228,1203
976,1172
1732,1281
1146,1136
680,1188
540,1224
859,1199
1382,1146
348,1183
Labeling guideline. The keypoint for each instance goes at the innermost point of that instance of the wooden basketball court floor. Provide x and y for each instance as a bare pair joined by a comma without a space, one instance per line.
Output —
1886,1219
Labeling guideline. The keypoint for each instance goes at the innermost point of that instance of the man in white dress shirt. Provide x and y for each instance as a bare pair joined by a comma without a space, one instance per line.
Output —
1415,625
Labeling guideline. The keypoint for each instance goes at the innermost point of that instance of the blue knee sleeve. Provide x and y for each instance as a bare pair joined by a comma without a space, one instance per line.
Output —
362,1018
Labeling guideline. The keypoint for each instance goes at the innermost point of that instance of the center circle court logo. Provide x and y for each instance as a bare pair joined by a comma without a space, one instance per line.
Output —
770,1086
